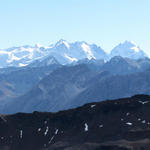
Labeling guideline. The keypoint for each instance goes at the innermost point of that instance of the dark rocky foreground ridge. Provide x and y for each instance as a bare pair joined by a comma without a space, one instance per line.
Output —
122,124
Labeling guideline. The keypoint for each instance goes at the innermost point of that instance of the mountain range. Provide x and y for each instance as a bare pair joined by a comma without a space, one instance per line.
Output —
58,93
67,75
60,87
64,53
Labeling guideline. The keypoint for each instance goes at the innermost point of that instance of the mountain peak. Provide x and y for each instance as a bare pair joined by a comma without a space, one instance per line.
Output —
129,42
128,49
62,42
132,45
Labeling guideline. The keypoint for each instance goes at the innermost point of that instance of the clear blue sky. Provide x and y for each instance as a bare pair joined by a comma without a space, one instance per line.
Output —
104,22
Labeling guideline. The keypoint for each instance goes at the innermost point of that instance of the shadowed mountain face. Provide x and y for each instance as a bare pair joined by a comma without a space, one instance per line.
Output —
115,86
17,81
54,91
122,124
56,87
118,65
70,87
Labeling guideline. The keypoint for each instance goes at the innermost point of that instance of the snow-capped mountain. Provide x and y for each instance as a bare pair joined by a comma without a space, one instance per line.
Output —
128,49
21,56
64,53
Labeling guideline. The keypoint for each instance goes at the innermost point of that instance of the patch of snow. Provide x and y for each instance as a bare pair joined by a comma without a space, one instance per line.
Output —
88,51
51,139
145,102
129,123
45,133
39,129
22,65
70,58
3,52
3,119
14,58
135,48
47,47
133,43
86,127
21,134
101,126
66,44
56,131
93,106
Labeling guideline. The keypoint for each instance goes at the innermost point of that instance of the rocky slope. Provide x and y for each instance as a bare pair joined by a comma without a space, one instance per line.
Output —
122,124
72,86
15,82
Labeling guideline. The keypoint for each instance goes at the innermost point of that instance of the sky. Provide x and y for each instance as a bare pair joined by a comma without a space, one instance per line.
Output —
103,22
